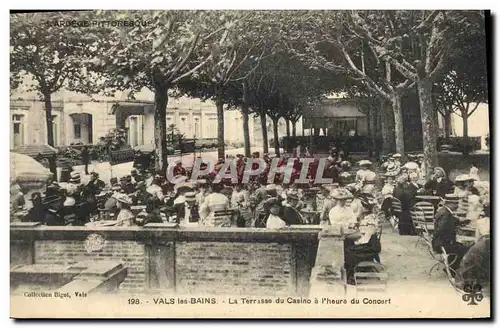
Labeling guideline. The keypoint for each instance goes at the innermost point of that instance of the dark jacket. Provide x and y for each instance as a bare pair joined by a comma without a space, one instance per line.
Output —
291,215
445,229
445,186
85,156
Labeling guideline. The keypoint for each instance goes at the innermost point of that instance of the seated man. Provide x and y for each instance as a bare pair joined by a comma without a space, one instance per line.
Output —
136,176
445,233
140,196
188,213
291,209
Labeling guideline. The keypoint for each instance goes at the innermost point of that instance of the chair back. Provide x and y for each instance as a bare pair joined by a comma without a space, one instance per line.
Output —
371,277
422,216
463,208
104,214
396,207
223,213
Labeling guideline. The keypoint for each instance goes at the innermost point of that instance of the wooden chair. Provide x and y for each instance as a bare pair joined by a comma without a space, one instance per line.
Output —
105,214
221,215
422,215
370,276
395,212
463,207
379,237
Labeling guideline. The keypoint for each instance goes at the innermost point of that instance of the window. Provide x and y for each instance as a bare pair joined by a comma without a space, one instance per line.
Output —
77,130
17,130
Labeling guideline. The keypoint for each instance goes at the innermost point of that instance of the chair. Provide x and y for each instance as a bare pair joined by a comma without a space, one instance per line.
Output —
395,212
370,276
422,215
450,272
463,207
222,215
105,214
379,237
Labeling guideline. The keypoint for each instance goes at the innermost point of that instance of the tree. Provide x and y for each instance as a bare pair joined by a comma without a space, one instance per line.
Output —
465,85
48,57
330,40
235,57
418,45
158,53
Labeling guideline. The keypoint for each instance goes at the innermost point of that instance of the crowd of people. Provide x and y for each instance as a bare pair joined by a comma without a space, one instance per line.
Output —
351,204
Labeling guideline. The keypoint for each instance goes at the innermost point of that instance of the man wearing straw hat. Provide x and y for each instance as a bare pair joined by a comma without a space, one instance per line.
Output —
188,214
445,232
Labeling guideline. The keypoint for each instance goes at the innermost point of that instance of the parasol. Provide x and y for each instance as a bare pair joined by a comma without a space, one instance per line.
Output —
27,172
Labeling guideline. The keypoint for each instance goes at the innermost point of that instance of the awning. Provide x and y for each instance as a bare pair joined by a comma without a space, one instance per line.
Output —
35,150
130,107
334,108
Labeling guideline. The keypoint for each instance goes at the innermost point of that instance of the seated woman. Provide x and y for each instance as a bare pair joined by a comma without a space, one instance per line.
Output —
276,219
388,191
216,201
340,214
125,217
361,242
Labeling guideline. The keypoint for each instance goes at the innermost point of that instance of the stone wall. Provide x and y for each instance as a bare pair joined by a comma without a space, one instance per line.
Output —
242,261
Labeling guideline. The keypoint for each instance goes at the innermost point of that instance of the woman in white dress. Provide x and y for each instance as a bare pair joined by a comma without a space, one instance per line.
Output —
125,217
275,218
340,216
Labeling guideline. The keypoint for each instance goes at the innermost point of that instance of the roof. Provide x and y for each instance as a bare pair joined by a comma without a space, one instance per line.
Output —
134,106
334,108
34,150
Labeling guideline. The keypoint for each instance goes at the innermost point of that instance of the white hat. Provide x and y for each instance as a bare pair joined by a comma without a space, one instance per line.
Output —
397,155
190,196
122,198
271,187
364,162
411,166
463,177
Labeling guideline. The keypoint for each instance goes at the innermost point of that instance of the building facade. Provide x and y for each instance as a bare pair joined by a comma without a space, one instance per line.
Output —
78,118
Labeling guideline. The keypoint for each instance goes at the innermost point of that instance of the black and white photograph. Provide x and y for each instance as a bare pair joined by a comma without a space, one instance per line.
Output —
250,164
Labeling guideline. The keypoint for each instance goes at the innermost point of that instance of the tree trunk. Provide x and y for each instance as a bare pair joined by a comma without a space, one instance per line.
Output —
447,124
398,124
465,120
48,119
370,129
246,129
220,129
50,130
429,132
263,126
160,130
294,129
386,126
276,137
287,128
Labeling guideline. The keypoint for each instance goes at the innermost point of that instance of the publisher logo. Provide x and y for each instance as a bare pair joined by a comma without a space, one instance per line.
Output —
473,294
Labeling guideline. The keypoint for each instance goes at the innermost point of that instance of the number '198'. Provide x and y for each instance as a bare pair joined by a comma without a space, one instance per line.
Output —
134,301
